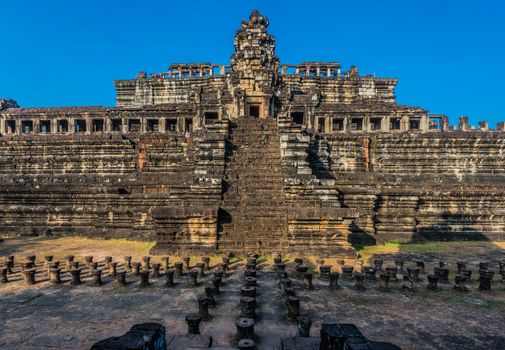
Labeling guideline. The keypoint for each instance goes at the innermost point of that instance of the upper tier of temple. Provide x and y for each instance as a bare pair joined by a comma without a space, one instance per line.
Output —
316,95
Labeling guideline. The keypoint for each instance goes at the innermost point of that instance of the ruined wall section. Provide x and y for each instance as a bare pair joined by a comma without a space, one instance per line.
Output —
454,154
344,90
105,185
422,186
145,91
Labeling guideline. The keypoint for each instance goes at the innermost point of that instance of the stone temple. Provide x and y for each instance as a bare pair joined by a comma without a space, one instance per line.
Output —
255,155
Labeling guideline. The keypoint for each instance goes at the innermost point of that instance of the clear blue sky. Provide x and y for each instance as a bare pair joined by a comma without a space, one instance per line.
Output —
449,55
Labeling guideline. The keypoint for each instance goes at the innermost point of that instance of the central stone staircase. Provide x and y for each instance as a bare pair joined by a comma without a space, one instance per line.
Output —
252,215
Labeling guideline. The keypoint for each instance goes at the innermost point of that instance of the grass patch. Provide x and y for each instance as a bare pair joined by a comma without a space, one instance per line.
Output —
263,258
407,247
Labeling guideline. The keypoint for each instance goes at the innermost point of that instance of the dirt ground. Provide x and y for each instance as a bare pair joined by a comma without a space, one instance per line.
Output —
45,316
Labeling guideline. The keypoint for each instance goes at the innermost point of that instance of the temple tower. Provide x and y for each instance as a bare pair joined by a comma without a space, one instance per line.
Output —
254,64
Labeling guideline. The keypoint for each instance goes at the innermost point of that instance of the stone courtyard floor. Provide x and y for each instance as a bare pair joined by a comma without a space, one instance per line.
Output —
45,316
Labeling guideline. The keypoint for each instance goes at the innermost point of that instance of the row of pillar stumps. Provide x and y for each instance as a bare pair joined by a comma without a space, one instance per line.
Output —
144,270
384,275
244,338
332,336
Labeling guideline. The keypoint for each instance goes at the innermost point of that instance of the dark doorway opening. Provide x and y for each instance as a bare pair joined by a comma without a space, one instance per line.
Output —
211,117
26,126
97,125
152,125
116,124
171,125
10,126
254,111
62,126
297,117
45,126
189,125
80,125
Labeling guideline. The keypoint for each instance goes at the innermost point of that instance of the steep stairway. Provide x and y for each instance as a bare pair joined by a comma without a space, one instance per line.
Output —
252,215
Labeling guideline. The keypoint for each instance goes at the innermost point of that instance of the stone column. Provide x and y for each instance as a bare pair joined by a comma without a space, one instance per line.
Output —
144,278
370,273
128,262
201,269
334,280
424,124
88,125
88,260
203,307
210,293
121,278
54,125
359,281
347,272
136,269
96,278
307,280
324,272
178,269
216,283
156,270
68,261
169,278
186,261
346,124
193,321
248,307
113,269
107,261
303,328
146,262
387,123
3,276
192,280
47,260
245,328
55,276
485,279
293,306
420,265
459,283
29,276
250,282
432,282
413,273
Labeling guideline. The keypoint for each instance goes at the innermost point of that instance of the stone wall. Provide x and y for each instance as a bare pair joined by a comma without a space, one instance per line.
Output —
253,155
105,185
422,186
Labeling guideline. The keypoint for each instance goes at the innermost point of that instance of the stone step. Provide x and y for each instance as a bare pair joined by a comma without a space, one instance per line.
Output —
254,198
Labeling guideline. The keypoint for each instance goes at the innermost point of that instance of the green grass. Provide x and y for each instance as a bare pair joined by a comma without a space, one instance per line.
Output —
408,247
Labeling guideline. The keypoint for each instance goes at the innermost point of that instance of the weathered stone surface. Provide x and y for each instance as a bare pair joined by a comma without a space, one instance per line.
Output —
255,155
146,336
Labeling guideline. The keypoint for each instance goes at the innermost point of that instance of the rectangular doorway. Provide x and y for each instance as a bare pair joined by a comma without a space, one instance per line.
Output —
254,111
